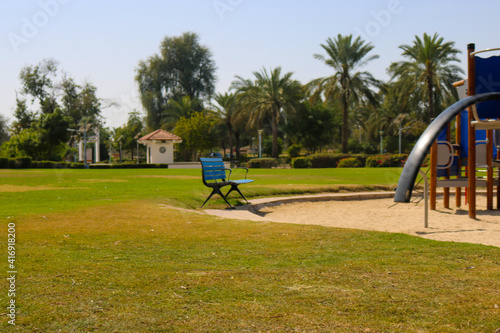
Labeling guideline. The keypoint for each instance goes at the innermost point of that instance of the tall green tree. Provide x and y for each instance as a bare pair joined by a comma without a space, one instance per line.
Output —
225,107
314,126
40,131
37,82
346,56
79,101
129,133
45,140
197,133
183,68
271,93
4,132
176,109
429,71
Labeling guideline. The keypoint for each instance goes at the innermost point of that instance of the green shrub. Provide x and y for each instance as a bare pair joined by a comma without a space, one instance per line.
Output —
263,163
128,166
326,160
396,160
301,163
294,151
15,163
4,163
349,162
323,160
43,164
267,146
75,165
23,162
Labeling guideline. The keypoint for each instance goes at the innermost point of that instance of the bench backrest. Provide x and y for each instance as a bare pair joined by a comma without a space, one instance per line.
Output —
213,169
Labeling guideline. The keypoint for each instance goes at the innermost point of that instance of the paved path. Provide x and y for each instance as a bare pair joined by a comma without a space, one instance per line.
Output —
250,211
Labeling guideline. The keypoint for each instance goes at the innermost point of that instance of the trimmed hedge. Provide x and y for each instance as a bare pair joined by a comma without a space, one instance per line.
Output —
15,163
349,162
332,160
263,163
301,163
27,163
128,166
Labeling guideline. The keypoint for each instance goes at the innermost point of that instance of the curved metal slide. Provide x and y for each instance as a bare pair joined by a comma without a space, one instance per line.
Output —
417,155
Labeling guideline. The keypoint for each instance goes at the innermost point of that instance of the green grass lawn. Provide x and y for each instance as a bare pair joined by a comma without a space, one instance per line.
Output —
105,251
37,191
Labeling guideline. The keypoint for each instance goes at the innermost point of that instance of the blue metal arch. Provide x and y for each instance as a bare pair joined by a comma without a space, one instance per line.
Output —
417,155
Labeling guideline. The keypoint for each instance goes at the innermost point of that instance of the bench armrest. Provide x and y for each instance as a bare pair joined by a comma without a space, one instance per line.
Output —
238,168
230,171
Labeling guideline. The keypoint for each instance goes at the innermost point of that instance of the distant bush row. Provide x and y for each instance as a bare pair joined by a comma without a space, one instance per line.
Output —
348,161
311,161
264,163
27,163
334,161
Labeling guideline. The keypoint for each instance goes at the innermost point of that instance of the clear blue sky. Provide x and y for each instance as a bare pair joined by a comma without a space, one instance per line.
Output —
102,41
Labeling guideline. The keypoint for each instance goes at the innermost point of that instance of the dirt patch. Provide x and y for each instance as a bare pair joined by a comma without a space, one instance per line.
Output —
20,188
102,180
451,224
167,176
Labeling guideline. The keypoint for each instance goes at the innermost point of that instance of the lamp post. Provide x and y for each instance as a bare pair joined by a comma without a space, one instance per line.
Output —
381,145
253,146
120,139
137,136
260,142
84,127
74,139
109,154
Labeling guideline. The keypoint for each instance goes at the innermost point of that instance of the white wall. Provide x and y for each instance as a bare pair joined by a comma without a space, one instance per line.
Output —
155,156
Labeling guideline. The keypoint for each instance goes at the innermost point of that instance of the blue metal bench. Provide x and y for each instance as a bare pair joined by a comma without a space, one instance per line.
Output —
216,176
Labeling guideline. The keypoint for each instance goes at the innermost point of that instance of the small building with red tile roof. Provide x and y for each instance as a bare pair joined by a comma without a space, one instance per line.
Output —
160,146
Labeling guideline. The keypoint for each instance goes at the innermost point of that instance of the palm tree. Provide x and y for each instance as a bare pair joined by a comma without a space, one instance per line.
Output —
176,109
428,71
346,56
270,94
226,110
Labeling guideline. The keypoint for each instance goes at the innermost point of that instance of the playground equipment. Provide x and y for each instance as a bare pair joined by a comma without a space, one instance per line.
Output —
455,165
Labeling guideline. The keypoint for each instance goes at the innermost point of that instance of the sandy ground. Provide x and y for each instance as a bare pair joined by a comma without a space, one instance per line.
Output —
382,215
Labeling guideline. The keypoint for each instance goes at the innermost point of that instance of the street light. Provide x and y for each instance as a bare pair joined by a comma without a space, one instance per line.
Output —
74,139
260,142
253,146
120,139
84,127
136,137
381,146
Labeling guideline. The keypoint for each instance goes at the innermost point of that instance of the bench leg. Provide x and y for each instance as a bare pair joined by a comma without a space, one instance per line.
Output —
216,190
235,188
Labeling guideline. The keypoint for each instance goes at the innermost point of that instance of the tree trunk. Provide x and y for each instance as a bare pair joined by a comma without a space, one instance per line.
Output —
275,132
230,134
237,135
345,115
430,89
